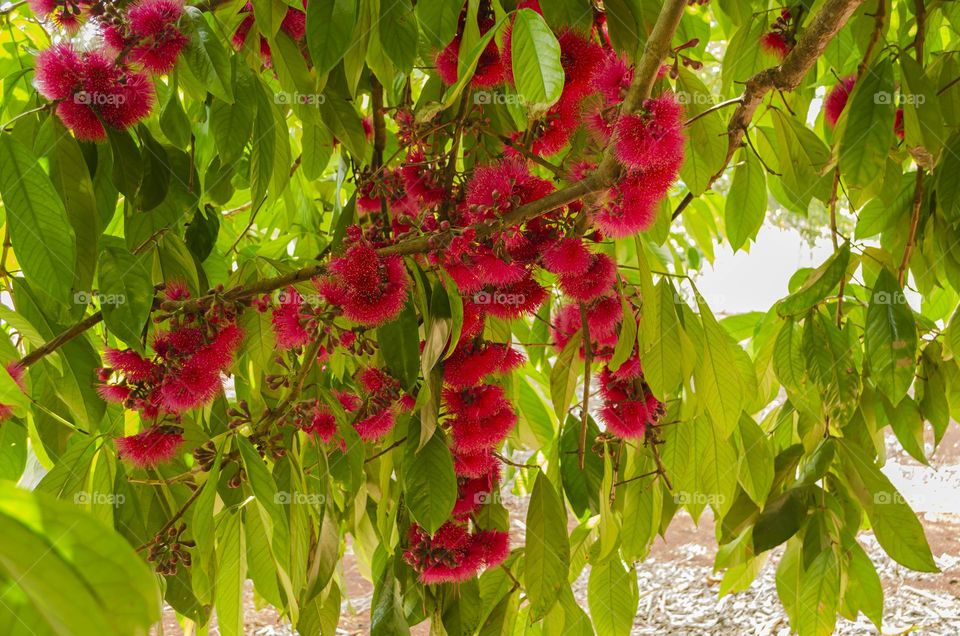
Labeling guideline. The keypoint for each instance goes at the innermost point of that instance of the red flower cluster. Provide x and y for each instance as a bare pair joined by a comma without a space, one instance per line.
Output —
369,288
454,553
628,405
650,145
375,411
151,33
184,372
154,446
91,90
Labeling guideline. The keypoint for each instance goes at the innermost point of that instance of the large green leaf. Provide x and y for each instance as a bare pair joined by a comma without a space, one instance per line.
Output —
819,596
399,342
868,130
894,523
126,292
717,376
890,338
429,483
206,56
536,61
564,376
612,594
40,232
231,572
398,33
76,575
548,547
746,201
818,284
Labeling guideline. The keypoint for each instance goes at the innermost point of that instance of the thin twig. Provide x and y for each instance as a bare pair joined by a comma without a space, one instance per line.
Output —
385,450
585,411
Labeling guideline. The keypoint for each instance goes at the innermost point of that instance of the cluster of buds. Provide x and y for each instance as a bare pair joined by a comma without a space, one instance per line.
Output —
169,549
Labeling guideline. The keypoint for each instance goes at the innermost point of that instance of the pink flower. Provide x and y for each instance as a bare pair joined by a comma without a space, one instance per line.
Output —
59,71
471,363
474,465
653,138
612,78
294,23
288,322
898,124
156,36
596,281
568,257
151,447
322,423
836,99
369,288
631,205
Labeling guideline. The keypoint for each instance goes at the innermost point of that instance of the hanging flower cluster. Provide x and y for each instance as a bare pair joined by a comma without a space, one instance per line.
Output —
454,553
184,372
93,90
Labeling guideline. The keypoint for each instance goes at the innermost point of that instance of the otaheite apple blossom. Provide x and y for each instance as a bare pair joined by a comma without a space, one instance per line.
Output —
376,280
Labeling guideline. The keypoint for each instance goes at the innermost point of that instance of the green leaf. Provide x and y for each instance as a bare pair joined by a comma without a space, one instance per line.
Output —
548,547
564,376
568,13
923,125
613,595
581,485
894,523
890,338
831,366
756,460
866,595
231,572
70,570
206,56
399,342
126,293
399,33
429,483
626,339
40,232
746,203
13,449
536,61
717,376
818,284
438,20
346,125
948,187
663,347
868,131
70,175
819,596
781,519
232,123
